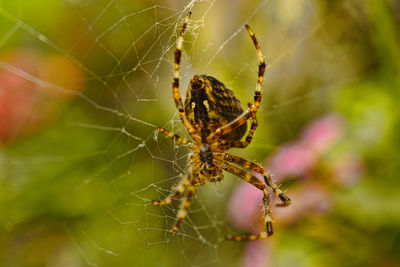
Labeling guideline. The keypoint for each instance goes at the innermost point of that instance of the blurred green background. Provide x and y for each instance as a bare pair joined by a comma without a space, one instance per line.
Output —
83,85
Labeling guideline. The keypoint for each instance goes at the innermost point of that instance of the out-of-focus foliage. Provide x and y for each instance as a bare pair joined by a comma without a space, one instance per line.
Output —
83,84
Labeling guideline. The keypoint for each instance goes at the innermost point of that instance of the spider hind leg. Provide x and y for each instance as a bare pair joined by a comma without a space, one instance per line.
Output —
251,179
176,192
183,208
268,224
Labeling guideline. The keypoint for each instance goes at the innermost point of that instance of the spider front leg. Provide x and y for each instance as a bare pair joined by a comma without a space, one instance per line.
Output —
247,164
251,111
175,82
261,69
248,177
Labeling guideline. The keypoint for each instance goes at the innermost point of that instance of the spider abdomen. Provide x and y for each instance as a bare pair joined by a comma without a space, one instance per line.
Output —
209,104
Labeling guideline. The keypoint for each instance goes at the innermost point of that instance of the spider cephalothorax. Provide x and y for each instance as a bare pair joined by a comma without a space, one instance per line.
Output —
216,121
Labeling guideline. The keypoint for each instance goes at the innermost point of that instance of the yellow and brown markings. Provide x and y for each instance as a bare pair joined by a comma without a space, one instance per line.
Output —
230,127
246,176
247,164
174,136
209,104
267,219
175,81
246,237
261,68
267,213
249,137
268,180
182,212
176,192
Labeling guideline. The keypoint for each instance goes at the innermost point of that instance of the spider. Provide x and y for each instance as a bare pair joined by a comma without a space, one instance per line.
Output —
216,121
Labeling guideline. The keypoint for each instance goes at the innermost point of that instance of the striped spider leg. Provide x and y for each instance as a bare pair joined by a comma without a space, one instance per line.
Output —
174,137
237,169
249,137
252,109
175,82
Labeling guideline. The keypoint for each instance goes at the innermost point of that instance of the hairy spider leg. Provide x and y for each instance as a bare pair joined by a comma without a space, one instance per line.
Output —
247,164
183,208
174,136
251,179
175,193
257,96
175,83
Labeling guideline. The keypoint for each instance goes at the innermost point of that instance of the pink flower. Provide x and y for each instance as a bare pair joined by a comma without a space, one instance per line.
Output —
323,133
292,159
257,254
297,158
244,209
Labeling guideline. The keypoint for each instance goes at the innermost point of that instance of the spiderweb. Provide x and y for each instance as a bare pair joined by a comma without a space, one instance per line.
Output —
104,148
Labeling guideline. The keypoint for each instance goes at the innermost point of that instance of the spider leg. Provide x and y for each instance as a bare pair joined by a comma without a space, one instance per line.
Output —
257,95
249,137
259,169
261,69
182,212
175,82
175,193
227,128
174,136
267,220
248,177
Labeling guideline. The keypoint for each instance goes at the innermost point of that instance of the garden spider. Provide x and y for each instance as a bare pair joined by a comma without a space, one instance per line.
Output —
216,121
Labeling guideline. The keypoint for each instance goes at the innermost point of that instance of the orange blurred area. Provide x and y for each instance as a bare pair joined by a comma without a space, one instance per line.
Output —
33,88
